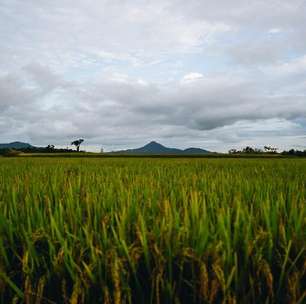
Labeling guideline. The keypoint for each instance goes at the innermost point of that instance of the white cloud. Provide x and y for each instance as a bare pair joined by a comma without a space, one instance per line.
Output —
190,77
274,31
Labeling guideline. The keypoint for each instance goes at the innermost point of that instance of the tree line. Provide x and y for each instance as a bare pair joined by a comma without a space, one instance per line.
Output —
48,149
267,150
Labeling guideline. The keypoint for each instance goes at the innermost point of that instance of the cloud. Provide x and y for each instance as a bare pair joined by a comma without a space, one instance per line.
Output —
119,110
119,73
190,77
274,31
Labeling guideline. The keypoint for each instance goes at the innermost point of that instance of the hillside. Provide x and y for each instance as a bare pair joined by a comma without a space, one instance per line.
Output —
15,145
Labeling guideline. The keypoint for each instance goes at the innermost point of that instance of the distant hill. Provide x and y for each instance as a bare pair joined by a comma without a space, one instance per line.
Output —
16,145
195,151
155,148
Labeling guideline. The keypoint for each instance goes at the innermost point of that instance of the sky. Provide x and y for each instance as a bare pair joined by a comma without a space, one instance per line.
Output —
211,74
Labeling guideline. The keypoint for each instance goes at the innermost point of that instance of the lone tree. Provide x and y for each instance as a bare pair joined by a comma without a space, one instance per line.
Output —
77,143
269,149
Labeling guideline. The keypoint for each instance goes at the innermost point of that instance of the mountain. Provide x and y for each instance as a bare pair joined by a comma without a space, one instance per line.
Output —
16,145
195,151
155,148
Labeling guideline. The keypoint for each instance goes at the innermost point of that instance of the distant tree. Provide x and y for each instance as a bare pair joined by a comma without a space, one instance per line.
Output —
50,148
269,149
291,152
248,150
233,151
77,143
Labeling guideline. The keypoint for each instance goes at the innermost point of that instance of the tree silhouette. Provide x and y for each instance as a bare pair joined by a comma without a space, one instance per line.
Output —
233,151
50,147
77,143
269,149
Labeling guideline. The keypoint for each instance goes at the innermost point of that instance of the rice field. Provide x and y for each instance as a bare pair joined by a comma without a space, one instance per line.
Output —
152,230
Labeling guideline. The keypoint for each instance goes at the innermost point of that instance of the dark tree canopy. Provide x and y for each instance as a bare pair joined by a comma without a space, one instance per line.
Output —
77,143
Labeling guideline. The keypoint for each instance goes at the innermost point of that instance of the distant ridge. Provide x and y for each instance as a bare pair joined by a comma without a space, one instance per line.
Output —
15,145
155,148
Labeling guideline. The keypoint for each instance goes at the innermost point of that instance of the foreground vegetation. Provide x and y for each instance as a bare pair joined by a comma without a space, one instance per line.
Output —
152,230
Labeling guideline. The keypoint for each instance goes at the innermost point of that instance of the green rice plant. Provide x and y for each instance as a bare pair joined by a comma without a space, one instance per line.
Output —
141,230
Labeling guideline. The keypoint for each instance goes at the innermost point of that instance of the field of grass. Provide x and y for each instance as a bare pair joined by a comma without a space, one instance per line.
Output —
152,230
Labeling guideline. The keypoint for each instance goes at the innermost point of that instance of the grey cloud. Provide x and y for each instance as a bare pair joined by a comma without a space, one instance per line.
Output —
117,109
54,53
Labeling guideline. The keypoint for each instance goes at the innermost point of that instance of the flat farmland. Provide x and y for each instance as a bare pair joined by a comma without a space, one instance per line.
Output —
141,230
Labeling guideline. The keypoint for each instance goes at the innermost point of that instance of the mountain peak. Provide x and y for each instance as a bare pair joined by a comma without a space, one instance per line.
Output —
153,143
156,148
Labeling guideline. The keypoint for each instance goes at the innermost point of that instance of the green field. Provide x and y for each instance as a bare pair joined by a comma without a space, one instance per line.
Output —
143,230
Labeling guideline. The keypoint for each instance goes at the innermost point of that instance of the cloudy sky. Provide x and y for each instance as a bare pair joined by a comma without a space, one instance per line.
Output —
213,74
